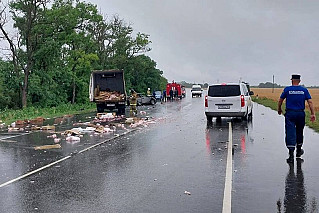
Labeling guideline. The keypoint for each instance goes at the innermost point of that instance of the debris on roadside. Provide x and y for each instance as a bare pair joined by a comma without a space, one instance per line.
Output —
57,140
52,136
35,128
2,124
105,115
187,193
15,129
36,121
55,146
47,128
99,129
19,123
142,112
71,132
73,139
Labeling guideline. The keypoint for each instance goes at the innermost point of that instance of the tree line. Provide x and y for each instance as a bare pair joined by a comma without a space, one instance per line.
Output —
56,45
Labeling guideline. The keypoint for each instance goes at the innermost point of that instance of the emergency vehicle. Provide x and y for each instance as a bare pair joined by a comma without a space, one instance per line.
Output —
174,87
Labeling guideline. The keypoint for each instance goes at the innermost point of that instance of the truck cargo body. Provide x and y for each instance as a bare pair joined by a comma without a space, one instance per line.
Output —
107,90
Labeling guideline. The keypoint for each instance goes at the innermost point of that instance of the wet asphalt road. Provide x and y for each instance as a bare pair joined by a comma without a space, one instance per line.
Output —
150,168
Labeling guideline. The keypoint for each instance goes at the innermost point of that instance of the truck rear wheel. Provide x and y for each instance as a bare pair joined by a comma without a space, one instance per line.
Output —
99,108
121,110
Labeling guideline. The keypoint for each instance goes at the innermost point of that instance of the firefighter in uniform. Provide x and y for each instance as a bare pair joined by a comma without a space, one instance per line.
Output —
295,96
133,103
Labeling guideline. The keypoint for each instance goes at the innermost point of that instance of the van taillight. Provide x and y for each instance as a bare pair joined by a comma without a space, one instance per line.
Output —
206,101
242,100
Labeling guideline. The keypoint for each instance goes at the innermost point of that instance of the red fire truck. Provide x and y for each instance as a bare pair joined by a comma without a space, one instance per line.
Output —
173,89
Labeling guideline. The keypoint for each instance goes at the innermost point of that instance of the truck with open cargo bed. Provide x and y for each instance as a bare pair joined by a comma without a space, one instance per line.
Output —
107,90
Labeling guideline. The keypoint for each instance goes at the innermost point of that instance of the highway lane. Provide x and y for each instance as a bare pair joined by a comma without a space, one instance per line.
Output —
150,169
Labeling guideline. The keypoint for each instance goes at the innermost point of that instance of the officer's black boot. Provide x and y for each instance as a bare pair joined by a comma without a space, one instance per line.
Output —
291,156
299,151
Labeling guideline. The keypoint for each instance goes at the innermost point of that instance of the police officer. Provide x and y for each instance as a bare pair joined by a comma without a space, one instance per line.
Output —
295,96
133,103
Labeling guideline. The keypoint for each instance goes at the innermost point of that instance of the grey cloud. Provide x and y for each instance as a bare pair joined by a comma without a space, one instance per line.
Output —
210,41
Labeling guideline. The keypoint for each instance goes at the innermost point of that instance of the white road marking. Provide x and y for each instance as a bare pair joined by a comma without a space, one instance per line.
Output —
229,173
187,106
63,159
34,171
14,136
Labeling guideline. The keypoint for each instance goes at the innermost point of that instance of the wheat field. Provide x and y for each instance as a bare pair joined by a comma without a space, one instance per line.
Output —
267,93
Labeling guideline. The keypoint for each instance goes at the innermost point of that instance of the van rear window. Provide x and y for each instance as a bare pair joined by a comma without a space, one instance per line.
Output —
224,90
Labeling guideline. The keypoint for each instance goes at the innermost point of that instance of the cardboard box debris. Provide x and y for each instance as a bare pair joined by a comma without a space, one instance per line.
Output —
55,146
105,115
34,128
48,128
71,132
99,129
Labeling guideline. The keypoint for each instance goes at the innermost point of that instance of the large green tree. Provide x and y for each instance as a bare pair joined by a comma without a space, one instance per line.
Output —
58,46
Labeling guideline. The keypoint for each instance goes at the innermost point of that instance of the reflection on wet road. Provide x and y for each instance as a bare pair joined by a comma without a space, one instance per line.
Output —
176,164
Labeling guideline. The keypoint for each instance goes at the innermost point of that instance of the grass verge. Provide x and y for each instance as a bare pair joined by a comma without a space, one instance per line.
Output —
274,104
8,116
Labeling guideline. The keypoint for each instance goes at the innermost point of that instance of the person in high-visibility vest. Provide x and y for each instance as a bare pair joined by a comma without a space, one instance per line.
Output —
133,103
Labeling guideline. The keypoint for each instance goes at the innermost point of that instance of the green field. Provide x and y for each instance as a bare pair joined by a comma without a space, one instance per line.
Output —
273,105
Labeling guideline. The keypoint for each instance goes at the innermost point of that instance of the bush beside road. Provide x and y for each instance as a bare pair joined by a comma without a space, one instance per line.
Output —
8,116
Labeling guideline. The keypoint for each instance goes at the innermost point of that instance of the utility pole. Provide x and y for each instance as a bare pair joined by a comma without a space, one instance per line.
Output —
273,83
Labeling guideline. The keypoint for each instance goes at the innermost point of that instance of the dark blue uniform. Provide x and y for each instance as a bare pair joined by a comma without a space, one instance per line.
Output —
295,115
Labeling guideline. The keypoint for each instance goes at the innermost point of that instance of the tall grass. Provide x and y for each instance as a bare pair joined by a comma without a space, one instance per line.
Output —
274,105
9,115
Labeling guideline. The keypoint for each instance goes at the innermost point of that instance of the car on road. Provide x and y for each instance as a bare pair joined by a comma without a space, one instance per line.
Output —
145,100
196,90
228,100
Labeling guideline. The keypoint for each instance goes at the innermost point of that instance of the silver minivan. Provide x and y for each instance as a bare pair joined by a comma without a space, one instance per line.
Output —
228,100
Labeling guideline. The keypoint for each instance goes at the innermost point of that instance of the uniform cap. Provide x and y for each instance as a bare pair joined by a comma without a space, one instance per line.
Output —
296,77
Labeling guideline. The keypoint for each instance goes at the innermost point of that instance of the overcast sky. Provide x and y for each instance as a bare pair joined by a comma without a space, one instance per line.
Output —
227,40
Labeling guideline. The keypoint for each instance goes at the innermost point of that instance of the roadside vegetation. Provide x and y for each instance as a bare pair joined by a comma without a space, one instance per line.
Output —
51,48
8,116
274,105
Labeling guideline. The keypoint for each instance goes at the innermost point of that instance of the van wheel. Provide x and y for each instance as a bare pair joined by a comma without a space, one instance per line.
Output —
152,102
209,118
